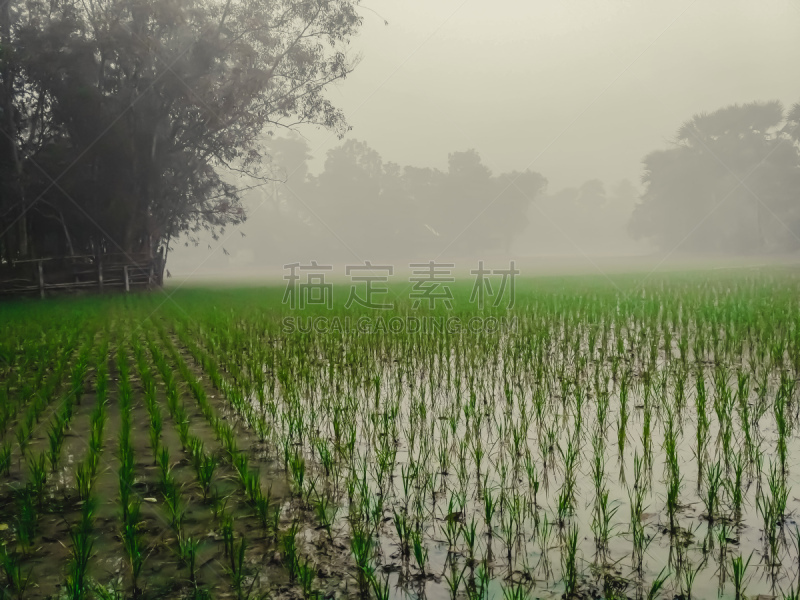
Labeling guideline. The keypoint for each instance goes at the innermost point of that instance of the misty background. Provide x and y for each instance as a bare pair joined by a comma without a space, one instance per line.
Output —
551,130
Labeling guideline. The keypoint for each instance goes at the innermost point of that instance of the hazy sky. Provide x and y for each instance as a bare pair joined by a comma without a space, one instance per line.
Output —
576,89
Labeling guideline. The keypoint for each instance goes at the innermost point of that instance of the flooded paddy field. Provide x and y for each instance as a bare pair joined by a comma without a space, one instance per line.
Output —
633,437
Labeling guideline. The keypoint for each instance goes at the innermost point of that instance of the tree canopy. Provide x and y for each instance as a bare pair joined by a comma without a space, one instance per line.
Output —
121,121
729,183
367,207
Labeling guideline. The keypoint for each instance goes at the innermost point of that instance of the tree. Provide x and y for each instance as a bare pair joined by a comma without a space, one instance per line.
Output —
126,119
729,183
360,207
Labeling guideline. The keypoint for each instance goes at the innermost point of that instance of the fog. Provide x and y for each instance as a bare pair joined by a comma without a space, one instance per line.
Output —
556,134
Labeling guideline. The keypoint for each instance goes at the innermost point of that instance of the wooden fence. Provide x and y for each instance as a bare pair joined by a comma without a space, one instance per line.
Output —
92,273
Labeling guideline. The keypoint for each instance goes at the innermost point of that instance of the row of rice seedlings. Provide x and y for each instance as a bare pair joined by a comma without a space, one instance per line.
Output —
450,522
772,509
299,570
63,414
249,479
45,394
238,397
643,347
77,585
174,503
36,354
205,464
56,433
129,502
443,456
603,511
30,498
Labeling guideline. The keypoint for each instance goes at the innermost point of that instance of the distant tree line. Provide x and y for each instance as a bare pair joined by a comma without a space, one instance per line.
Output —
729,183
122,120
365,206
589,219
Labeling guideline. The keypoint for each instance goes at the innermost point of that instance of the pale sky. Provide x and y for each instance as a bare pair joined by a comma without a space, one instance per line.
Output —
576,90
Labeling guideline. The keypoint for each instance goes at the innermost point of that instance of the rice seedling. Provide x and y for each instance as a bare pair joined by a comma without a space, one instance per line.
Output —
5,459
27,520
16,580
205,473
419,550
735,487
453,518
711,499
176,507
227,533
507,532
298,471
164,468
380,587
569,561
188,554
291,559
218,504
478,586
112,591
688,577
658,584
155,431
489,507
37,477
84,480
738,572
77,583
237,570
306,573
454,578
601,521
132,542
470,534
251,483
23,435
792,594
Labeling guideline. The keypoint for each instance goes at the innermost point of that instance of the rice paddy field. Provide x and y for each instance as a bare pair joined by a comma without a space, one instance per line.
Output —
625,438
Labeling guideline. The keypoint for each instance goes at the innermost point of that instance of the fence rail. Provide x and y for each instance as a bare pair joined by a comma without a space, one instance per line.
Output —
79,273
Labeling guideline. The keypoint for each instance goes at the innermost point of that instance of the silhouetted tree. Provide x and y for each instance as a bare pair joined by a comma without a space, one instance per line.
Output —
121,118
729,183
367,208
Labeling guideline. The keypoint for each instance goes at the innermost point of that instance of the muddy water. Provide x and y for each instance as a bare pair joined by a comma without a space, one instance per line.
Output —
335,571
61,506
163,575
540,569
536,558
707,548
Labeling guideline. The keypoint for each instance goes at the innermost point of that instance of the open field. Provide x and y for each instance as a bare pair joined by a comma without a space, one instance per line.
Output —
629,438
